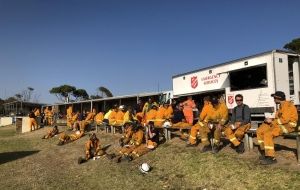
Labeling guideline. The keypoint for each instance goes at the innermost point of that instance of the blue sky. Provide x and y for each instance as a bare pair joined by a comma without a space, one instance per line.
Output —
131,46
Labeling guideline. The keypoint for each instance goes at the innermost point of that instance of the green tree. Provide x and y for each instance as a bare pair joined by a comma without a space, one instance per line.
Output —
19,97
92,97
104,91
80,94
294,45
63,92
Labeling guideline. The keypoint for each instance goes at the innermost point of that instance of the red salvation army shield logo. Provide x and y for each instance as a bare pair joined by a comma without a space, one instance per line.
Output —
230,99
194,82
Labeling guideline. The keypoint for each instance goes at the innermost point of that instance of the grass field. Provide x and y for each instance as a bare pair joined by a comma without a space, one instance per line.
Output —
28,162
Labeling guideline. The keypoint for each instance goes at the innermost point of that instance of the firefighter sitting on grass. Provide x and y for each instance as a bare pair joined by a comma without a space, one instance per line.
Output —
51,133
92,149
66,138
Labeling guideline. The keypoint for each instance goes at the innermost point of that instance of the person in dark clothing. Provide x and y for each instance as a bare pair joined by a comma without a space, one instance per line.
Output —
239,124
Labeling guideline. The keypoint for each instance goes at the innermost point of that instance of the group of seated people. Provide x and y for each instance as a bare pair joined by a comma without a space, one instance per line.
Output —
142,126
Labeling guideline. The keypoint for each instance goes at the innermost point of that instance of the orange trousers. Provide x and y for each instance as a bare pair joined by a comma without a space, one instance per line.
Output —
265,134
236,136
32,122
204,131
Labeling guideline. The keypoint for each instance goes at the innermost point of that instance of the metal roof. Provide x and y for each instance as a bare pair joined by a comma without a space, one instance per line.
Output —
24,102
240,59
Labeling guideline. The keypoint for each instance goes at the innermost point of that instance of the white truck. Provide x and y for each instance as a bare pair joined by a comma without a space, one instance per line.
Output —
256,77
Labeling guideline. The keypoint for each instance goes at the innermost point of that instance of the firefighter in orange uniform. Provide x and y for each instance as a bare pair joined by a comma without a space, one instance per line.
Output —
203,120
32,121
217,119
189,105
120,116
88,120
151,115
112,115
285,121
66,138
69,117
51,133
99,118
160,117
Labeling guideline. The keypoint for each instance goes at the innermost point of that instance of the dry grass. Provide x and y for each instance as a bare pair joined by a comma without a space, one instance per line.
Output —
44,165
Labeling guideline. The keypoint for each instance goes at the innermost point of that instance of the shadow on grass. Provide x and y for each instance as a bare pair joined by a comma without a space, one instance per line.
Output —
11,156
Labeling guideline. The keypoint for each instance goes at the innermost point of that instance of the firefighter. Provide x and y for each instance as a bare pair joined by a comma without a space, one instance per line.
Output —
128,132
239,124
161,115
32,121
50,114
112,115
88,120
189,105
129,116
64,138
69,117
151,114
203,120
216,120
120,116
178,121
99,118
135,141
285,121
169,112
51,133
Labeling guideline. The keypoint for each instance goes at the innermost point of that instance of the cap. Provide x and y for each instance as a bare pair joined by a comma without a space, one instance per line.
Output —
279,95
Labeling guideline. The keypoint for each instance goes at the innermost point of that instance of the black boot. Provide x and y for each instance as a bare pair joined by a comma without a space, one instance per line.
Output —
110,156
262,155
240,148
206,148
268,160
215,149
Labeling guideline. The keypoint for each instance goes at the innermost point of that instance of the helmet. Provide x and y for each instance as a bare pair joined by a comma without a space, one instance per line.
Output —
167,124
144,168
121,107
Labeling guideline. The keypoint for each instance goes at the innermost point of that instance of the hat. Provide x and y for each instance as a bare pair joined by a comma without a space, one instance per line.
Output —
279,94
144,168
121,107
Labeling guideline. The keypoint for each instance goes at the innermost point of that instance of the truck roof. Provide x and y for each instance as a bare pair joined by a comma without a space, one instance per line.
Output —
235,60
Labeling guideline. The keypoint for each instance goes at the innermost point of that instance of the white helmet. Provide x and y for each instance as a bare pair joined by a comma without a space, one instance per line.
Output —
145,168
167,124
121,107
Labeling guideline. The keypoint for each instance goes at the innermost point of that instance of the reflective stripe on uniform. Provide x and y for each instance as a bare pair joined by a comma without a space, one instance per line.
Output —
201,124
204,139
279,122
260,141
192,137
293,124
269,147
233,139
284,130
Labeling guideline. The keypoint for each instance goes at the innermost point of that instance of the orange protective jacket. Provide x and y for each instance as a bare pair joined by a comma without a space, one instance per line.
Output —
112,117
169,112
137,138
99,118
151,115
160,116
287,114
120,118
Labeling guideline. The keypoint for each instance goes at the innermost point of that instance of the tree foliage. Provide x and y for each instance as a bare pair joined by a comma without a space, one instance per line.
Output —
63,92
294,45
92,97
105,91
80,94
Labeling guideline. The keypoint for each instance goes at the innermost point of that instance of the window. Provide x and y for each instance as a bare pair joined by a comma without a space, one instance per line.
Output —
249,78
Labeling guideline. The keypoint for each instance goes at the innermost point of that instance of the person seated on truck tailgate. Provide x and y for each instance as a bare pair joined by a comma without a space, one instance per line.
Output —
169,112
178,121
203,119
216,118
239,124
285,122
189,105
